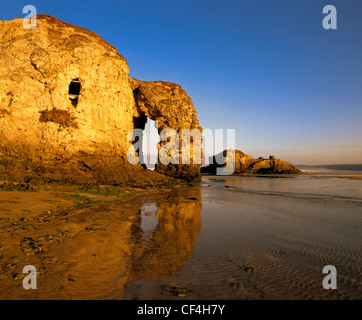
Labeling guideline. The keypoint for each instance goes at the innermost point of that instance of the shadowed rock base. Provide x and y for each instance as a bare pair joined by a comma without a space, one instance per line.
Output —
35,166
185,172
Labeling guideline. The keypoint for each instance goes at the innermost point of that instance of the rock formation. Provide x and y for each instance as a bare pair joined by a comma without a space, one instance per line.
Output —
67,105
246,164
169,105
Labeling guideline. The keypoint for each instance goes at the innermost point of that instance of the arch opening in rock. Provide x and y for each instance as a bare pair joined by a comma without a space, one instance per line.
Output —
146,141
150,141
74,91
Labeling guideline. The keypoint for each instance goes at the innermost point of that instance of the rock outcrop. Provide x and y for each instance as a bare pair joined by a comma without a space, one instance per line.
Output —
272,166
67,104
246,164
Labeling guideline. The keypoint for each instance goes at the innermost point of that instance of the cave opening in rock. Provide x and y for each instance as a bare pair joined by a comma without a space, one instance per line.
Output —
74,91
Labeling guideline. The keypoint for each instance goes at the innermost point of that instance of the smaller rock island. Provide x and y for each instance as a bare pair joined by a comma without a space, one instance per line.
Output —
245,164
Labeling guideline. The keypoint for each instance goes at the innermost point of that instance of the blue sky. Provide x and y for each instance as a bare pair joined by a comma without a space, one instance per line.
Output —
265,68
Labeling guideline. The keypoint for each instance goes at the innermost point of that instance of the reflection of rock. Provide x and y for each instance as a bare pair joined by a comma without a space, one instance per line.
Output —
108,248
246,164
167,249
67,105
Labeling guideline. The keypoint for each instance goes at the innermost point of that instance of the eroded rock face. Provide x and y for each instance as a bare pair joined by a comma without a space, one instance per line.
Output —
67,105
165,102
246,164
37,67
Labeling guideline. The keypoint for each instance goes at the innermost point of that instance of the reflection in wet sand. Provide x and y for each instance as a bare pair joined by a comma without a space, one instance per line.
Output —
151,236
270,238
262,238
165,250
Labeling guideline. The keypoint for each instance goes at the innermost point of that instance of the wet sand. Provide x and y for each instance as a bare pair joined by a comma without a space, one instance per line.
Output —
227,238
91,248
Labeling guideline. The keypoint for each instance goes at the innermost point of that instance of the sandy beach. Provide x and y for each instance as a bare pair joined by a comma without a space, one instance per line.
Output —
226,238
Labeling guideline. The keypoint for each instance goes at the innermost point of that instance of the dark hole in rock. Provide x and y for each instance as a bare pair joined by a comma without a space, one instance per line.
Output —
74,91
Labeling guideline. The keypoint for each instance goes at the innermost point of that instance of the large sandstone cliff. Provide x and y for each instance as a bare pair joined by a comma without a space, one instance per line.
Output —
67,105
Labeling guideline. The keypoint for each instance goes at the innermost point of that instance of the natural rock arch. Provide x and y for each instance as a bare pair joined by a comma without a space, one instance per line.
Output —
169,105
43,135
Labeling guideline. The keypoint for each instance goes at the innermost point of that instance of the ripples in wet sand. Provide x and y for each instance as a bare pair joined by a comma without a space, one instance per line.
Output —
227,238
